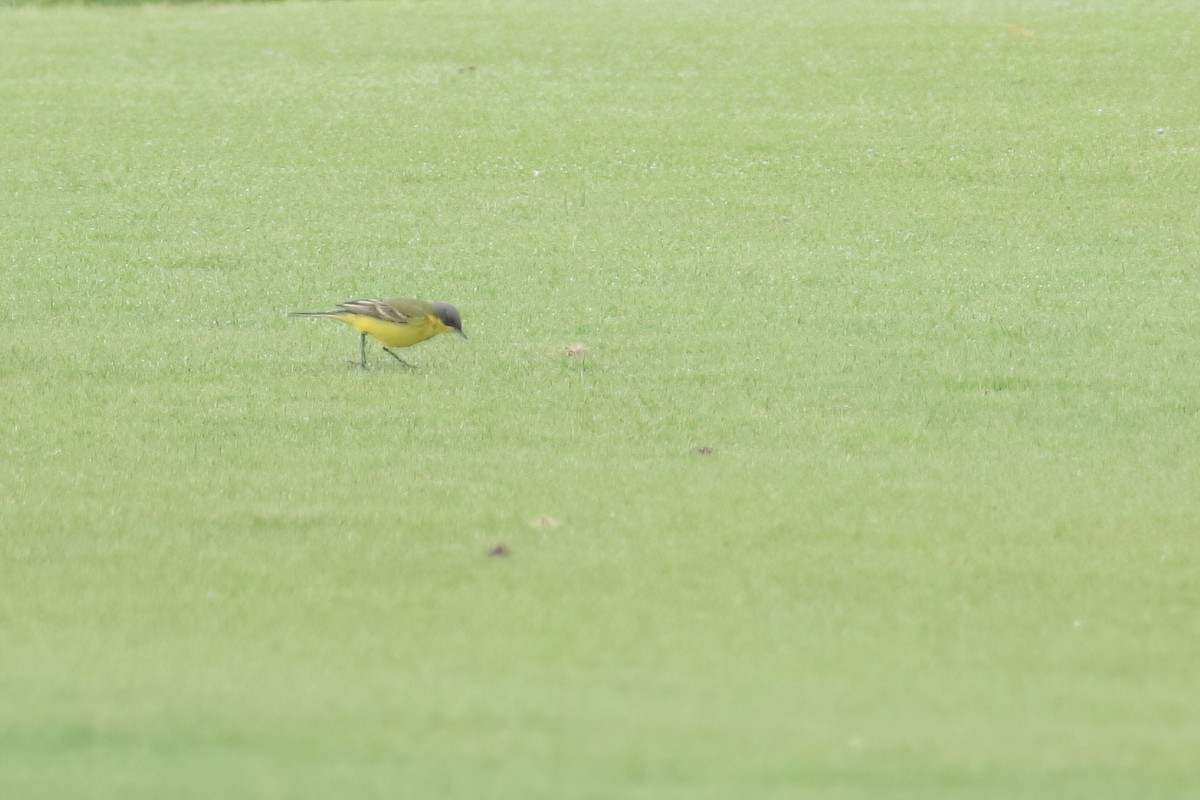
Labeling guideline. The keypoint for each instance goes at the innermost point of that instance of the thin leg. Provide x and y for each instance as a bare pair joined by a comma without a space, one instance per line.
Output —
362,350
398,358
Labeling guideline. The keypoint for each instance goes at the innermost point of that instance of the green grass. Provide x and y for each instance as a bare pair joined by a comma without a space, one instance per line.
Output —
923,276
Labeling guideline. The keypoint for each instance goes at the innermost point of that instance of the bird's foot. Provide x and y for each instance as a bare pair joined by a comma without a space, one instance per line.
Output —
398,358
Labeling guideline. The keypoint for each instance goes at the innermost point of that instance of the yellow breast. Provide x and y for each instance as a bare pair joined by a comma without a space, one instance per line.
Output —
393,334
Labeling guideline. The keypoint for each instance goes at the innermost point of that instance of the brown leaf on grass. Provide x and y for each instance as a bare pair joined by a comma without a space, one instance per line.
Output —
500,551
576,350
544,521
703,450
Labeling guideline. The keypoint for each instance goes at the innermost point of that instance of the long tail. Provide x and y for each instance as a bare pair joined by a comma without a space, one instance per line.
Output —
313,313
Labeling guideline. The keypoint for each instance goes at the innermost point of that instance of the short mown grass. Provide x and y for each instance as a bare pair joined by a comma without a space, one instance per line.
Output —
878,477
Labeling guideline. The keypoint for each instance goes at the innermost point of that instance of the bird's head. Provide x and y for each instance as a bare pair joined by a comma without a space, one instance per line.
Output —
449,317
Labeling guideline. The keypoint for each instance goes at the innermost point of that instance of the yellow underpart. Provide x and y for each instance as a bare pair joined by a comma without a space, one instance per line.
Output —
393,334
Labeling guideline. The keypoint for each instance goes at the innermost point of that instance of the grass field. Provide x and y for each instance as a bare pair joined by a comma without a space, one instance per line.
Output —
880,478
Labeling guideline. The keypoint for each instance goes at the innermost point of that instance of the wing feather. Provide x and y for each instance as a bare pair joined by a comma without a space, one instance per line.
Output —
400,311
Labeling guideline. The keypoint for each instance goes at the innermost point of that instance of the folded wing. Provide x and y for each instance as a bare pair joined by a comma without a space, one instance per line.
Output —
402,311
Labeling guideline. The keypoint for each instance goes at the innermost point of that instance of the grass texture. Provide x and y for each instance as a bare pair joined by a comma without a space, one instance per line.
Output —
878,477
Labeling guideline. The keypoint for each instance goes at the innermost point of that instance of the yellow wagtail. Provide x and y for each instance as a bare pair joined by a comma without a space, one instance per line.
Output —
398,322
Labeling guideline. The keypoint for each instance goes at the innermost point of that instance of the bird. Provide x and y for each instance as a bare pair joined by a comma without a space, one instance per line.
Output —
394,322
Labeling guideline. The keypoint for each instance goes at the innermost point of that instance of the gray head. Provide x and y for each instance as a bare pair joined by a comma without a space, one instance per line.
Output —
449,316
